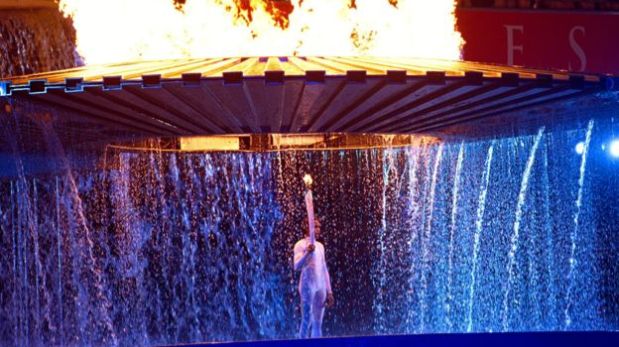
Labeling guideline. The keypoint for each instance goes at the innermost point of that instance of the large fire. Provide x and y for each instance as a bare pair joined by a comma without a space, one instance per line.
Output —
126,30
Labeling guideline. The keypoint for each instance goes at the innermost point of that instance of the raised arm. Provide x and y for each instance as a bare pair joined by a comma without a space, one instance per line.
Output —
300,256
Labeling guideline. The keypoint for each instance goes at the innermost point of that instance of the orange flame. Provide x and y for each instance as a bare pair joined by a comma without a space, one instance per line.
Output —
279,10
119,30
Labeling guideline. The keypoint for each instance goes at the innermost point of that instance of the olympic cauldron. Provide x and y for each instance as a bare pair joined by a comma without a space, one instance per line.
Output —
487,220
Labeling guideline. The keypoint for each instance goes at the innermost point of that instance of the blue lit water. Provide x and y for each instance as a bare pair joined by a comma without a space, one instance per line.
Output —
153,247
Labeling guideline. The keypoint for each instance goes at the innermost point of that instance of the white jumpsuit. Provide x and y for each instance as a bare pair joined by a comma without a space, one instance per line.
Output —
314,284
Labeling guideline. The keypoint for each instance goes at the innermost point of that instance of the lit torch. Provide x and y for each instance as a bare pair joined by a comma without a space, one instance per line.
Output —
309,204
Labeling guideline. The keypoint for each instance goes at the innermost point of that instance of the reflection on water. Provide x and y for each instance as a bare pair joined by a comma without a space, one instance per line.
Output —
166,246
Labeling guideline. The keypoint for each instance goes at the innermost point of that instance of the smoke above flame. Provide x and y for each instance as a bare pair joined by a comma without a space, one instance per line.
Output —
110,31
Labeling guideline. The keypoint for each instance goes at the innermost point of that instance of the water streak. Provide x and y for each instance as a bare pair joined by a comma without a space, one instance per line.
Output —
426,241
452,232
388,166
481,208
574,233
415,206
522,196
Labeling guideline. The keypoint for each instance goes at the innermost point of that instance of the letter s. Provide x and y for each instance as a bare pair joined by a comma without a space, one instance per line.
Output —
577,48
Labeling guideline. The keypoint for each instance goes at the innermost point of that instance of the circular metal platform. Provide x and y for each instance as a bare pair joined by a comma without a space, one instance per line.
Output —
285,95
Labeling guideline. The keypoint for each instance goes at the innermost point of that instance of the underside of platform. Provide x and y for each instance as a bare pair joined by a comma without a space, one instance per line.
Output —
119,102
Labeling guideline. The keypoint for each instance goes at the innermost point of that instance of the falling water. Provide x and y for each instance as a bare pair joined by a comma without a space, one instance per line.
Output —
388,166
574,233
551,289
452,232
162,247
414,208
90,270
481,208
59,246
426,241
516,232
35,40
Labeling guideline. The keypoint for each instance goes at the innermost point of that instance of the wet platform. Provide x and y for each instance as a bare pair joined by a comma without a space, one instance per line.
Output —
257,95
563,339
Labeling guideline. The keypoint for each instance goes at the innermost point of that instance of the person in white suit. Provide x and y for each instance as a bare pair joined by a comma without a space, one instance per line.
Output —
314,283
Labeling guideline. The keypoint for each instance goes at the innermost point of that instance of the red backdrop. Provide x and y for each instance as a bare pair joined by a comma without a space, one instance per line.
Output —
575,41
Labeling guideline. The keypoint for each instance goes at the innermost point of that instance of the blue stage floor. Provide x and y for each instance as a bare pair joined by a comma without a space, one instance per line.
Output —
562,339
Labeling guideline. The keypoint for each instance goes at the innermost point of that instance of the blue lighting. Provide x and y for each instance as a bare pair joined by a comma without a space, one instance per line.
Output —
580,147
613,149
3,88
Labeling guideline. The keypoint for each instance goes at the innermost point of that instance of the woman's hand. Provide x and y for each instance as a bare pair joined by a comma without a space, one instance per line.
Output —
330,300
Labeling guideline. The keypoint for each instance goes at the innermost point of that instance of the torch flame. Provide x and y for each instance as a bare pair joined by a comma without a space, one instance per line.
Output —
119,30
308,180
